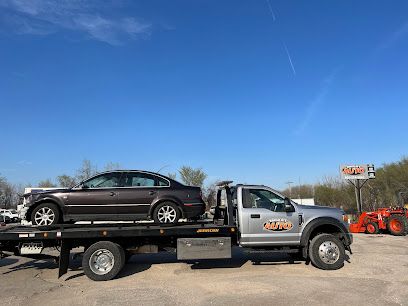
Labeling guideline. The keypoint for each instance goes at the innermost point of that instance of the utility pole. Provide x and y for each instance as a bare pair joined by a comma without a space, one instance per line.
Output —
289,183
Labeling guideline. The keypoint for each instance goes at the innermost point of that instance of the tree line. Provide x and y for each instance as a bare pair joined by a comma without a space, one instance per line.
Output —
389,188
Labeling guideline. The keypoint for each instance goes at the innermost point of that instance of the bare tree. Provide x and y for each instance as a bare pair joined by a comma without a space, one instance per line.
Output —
173,176
112,166
87,170
210,195
46,184
66,181
192,177
8,194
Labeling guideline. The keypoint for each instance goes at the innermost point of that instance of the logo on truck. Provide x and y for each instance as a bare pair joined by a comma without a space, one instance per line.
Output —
278,225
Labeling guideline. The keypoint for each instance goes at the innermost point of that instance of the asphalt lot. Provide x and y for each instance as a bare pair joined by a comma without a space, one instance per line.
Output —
377,275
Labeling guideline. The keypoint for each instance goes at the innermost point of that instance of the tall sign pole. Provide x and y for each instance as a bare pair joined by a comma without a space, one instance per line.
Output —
357,175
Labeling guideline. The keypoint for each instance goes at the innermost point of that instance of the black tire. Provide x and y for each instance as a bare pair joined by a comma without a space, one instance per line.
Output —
163,207
332,244
45,209
372,228
111,250
397,225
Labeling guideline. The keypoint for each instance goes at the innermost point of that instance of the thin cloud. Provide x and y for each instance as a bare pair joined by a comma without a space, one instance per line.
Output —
315,104
290,59
42,17
396,36
271,10
24,163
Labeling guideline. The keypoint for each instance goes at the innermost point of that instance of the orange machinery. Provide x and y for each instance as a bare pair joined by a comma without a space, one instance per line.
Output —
393,219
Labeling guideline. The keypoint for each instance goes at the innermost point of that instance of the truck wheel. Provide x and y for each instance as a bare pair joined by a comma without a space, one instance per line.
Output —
327,252
166,212
103,260
372,228
45,214
397,225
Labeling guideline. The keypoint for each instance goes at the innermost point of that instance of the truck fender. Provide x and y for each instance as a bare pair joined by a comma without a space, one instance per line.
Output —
333,226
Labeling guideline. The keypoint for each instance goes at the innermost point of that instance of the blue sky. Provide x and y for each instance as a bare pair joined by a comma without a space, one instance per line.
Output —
254,91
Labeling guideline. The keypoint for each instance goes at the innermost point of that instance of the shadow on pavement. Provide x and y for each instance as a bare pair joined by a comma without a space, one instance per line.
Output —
8,261
38,264
142,262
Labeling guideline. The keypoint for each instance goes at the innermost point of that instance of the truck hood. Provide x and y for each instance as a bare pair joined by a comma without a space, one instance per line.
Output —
306,207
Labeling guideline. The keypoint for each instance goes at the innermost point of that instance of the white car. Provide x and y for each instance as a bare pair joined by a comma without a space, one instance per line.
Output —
11,213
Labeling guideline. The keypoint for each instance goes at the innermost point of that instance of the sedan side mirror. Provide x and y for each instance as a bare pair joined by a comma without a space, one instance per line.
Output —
288,206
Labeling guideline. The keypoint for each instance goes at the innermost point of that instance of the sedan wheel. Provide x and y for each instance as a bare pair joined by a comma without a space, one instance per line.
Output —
45,214
166,213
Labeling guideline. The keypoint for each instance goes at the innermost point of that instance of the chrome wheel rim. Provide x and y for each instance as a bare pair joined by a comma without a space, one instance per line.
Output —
101,261
329,252
166,214
44,216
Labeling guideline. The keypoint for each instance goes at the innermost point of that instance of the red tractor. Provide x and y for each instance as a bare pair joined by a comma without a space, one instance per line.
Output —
395,220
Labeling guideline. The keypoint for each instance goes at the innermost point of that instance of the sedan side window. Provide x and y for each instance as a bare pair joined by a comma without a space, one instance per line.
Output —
103,181
135,179
162,182
261,198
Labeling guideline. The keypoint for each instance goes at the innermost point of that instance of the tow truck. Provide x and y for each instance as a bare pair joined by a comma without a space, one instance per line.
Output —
254,217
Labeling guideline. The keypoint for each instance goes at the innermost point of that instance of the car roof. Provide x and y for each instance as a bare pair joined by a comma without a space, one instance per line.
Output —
141,171
132,170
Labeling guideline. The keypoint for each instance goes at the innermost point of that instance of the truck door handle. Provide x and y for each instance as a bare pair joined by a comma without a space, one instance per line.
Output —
112,194
152,192
256,216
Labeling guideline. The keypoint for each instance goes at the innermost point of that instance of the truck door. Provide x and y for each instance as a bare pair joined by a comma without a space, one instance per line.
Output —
264,221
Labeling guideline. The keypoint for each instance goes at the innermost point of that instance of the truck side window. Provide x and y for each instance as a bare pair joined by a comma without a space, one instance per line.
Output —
261,198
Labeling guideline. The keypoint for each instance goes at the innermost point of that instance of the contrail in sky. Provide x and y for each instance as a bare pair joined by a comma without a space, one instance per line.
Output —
290,59
271,10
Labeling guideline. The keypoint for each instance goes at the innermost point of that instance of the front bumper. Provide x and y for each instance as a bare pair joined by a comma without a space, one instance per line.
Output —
22,211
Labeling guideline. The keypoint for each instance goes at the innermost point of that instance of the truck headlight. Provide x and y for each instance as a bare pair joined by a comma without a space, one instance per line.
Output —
345,218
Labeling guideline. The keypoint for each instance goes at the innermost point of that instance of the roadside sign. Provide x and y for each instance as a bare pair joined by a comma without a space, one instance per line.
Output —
357,175
357,172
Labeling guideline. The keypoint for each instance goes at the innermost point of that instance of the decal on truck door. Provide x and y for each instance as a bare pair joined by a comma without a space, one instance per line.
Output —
278,225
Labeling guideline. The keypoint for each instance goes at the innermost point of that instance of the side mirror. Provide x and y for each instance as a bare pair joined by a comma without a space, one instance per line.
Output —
84,186
288,206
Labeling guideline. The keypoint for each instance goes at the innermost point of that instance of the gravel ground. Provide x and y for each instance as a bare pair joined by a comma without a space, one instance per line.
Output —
377,274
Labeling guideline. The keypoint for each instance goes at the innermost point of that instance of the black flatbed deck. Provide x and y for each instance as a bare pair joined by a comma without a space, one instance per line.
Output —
28,233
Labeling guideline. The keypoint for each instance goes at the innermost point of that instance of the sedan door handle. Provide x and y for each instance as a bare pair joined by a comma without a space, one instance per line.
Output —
256,216
112,193
152,192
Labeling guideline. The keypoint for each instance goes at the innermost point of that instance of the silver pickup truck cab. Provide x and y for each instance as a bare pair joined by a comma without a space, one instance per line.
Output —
268,220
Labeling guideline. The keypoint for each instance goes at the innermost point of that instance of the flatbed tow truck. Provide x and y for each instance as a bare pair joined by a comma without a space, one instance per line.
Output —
254,217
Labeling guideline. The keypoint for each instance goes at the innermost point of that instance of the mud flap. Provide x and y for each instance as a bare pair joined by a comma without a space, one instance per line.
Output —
64,257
